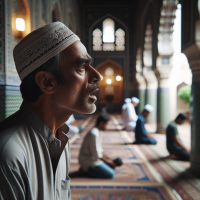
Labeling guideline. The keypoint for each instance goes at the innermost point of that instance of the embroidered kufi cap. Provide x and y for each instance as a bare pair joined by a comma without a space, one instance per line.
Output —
135,100
41,45
127,100
149,108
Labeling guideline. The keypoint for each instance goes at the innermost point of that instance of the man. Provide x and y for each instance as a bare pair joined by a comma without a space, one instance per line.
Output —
91,157
57,81
128,113
141,135
175,147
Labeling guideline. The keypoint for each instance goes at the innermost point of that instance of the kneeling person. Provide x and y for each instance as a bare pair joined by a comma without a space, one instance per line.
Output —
91,158
141,135
174,144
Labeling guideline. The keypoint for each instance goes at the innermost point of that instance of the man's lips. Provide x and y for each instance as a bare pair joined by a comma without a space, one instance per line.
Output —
93,96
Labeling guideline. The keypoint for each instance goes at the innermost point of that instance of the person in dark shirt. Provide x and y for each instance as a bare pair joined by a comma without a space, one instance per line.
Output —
174,144
141,135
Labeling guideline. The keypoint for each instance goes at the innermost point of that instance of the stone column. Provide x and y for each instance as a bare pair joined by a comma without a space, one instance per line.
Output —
162,72
193,55
151,92
141,91
140,83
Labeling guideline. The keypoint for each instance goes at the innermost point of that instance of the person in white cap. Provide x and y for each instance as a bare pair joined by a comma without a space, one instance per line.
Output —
72,128
129,115
141,135
57,81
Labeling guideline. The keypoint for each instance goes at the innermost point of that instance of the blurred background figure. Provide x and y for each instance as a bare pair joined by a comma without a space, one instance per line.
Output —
128,115
141,135
93,162
175,146
73,125
104,109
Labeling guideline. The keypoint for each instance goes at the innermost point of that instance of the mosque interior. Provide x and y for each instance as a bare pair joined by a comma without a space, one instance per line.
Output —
149,49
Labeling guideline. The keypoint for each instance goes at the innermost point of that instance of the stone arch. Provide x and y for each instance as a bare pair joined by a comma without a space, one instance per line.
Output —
20,9
56,14
116,87
115,19
181,106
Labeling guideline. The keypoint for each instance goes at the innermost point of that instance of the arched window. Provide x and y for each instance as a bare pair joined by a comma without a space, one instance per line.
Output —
120,40
108,30
97,40
112,40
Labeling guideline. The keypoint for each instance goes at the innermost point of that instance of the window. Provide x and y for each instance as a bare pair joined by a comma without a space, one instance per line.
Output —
97,40
120,40
112,40
108,30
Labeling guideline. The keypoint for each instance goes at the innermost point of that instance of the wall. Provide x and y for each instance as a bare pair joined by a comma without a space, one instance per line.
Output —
36,14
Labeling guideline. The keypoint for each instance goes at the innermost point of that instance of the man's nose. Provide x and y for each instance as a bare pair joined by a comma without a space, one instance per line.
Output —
95,76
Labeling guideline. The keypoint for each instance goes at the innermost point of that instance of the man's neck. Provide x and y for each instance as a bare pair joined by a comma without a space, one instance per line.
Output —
52,116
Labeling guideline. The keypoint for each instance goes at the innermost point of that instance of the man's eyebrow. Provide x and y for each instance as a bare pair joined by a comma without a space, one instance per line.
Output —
86,60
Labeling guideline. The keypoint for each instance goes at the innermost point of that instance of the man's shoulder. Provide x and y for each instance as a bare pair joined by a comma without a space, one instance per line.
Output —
172,125
8,128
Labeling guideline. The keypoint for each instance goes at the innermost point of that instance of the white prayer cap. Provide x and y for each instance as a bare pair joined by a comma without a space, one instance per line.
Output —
135,100
127,100
41,45
148,108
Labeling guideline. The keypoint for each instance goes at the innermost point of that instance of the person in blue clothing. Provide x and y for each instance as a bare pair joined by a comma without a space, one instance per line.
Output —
141,135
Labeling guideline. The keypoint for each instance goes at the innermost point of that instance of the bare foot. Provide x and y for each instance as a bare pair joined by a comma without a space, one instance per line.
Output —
172,156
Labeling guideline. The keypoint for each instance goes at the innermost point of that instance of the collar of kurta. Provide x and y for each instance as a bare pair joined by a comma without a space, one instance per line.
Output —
39,125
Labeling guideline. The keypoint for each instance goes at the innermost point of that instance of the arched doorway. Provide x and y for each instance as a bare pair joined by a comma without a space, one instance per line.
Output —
111,87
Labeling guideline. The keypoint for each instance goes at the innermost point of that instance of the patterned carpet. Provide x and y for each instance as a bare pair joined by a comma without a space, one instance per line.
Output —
146,173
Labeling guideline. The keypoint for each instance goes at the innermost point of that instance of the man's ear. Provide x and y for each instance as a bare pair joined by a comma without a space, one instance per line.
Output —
46,82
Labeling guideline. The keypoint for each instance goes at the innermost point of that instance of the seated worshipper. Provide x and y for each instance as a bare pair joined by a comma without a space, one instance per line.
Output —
128,115
104,109
92,160
57,80
70,123
174,145
141,135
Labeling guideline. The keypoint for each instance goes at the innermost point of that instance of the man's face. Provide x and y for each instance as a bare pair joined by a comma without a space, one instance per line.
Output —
180,121
134,104
81,81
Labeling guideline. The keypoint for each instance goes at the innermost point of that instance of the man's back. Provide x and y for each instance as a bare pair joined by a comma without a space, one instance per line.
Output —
172,132
140,130
91,149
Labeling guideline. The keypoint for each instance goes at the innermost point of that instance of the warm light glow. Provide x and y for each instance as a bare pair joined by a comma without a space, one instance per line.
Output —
109,81
20,24
118,78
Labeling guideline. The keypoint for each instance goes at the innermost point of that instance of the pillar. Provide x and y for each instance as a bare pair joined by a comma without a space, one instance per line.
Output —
151,92
193,55
162,72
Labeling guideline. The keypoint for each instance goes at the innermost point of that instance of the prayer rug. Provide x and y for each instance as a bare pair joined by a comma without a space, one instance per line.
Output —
176,173
119,193
127,173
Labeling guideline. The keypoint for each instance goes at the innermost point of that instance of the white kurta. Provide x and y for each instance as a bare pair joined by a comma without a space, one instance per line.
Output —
129,116
91,150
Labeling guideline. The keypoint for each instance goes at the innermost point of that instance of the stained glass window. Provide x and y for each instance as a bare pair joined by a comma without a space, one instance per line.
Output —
120,40
112,41
109,90
97,40
108,30
109,71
